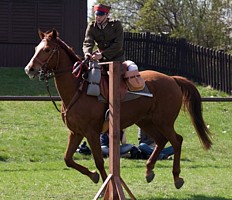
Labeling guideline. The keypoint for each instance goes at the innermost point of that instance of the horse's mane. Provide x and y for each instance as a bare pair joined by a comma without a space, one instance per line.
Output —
73,56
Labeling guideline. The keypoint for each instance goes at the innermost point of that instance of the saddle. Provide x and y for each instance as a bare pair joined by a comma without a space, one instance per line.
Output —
130,80
104,87
131,84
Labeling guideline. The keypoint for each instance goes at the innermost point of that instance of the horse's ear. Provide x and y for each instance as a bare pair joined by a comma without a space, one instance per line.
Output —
55,33
41,34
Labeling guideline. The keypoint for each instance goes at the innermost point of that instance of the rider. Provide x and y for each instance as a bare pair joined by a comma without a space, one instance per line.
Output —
107,34
125,148
147,145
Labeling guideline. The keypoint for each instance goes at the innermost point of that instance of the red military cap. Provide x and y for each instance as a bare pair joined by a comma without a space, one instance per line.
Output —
101,9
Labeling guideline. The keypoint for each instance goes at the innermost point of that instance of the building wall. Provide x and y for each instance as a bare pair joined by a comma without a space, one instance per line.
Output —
21,19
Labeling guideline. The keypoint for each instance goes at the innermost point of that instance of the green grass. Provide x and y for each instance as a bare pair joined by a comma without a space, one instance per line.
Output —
33,139
15,82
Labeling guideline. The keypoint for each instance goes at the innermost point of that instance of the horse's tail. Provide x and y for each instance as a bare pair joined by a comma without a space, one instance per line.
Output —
192,101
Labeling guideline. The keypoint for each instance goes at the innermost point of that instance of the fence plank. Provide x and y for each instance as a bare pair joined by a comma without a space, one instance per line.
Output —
57,98
179,57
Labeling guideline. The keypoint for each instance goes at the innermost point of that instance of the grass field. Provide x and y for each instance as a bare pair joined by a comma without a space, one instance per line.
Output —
33,141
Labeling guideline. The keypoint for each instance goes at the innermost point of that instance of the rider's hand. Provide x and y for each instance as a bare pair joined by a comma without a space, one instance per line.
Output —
88,56
97,56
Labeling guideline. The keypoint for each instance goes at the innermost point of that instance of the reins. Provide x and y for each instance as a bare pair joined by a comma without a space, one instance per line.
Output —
45,75
75,97
53,101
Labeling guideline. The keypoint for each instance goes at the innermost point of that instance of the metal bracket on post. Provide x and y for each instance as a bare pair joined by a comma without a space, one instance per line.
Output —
114,182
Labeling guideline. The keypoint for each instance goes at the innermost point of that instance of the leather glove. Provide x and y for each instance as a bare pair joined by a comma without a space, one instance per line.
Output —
97,56
88,56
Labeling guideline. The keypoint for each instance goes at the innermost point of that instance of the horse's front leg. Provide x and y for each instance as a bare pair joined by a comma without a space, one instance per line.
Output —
73,142
95,146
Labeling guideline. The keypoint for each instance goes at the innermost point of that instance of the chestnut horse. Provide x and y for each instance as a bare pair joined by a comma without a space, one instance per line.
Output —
84,115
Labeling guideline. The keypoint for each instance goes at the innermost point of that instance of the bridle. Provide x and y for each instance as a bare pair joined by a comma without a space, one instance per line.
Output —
44,73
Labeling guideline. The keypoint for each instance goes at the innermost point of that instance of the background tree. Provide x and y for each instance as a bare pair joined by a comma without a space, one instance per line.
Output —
127,11
204,22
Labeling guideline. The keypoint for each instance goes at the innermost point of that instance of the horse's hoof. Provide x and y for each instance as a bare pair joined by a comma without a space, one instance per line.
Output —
150,176
95,177
179,183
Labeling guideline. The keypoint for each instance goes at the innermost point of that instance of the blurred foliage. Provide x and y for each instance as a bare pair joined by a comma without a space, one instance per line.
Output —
203,22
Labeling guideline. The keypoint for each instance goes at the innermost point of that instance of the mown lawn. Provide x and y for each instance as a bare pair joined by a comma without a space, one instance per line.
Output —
33,139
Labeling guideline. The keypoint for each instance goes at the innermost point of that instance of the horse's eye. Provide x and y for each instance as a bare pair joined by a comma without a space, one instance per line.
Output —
47,50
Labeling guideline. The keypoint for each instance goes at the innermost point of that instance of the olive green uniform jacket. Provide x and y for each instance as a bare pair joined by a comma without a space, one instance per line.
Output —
109,40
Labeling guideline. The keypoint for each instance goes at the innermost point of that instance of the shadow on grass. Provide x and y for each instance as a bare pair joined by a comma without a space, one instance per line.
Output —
192,197
4,158
32,169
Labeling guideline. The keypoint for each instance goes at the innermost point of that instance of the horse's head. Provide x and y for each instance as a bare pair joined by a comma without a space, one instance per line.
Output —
46,56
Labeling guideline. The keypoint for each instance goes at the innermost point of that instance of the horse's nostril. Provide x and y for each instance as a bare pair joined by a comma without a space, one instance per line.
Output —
31,69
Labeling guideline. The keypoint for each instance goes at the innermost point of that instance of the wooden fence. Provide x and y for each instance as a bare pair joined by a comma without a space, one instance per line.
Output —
57,98
178,57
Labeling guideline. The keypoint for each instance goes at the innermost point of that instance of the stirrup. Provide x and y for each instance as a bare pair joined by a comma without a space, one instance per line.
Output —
107,114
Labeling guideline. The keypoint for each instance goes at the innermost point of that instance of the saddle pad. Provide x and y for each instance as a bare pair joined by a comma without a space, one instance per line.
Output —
130,96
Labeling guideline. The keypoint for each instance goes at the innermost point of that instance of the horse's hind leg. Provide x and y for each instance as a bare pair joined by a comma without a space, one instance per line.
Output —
160,140
176,142
73,142
162,133
153,158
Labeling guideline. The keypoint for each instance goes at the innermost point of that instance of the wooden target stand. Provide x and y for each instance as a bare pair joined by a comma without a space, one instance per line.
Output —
113,184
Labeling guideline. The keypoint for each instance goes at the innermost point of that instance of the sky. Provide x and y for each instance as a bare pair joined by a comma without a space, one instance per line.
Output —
90,4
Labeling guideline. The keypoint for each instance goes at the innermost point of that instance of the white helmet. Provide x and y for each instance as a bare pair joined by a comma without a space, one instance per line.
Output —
131,66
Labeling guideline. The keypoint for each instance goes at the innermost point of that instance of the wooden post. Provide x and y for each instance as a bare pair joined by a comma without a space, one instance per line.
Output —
114,182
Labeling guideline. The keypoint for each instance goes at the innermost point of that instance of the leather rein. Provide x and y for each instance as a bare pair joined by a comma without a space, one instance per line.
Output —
45,74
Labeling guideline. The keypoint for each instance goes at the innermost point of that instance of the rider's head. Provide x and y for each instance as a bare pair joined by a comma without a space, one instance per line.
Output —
101,12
